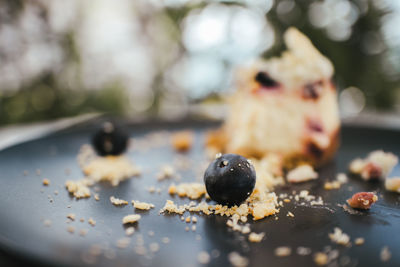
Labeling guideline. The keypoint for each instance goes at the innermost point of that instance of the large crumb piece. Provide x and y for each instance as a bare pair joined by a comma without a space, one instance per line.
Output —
393,184
78,189
118,202
237,260
132,218
172,208
113,169
190,190
321,259
302,173
254,237
339,237
385,254
283,251
377,165
362,200
182,141
142,205
262,205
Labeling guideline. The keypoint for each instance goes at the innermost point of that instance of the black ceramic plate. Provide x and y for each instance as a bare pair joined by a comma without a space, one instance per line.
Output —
23,207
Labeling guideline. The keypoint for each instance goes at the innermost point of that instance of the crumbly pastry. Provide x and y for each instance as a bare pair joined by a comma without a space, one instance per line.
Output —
377,165
285,106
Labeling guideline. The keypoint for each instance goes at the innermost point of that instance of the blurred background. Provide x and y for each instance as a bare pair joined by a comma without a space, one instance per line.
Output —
171,58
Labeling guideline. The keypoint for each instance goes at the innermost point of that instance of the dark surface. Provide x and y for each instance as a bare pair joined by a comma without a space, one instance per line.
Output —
23,206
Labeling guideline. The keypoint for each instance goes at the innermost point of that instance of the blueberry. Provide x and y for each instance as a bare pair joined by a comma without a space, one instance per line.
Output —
110,140
265,80
230,179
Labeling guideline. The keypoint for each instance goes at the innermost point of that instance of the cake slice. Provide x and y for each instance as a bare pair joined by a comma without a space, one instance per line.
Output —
285,106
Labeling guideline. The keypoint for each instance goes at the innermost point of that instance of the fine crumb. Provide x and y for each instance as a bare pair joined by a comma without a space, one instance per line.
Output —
129,231
188,219
38,172
385,254
166,172
302,173
56,192
165,240
46,181
359,241
142,205
96,197
150,233
237,260
339,237
190,190
283,251
182,141
83,232
92,222
289,214
132,218
71,229
321,258
193,228
71,216
303,251
341,179
118,202
194,219
254,237
82,220
47,223
203,257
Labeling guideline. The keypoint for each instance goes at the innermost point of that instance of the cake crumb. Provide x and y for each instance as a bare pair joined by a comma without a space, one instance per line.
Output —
194,219
118,202
190,190
46,182
289,214
92,222
341,179
377,165
385,254
303,251
142,205
254,237
237,260
96,197
83,232
339,237
283,251
302,173
82,220
129,231
78,189
203,257
359,241
194,228
47,223
154,247
182,141
362,200
392,184
71,216
71,229
188,219
172,208
167,171
321,258
165,240
132,218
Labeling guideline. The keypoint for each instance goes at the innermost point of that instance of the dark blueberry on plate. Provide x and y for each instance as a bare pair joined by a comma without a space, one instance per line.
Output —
230,179
265,80
110,140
